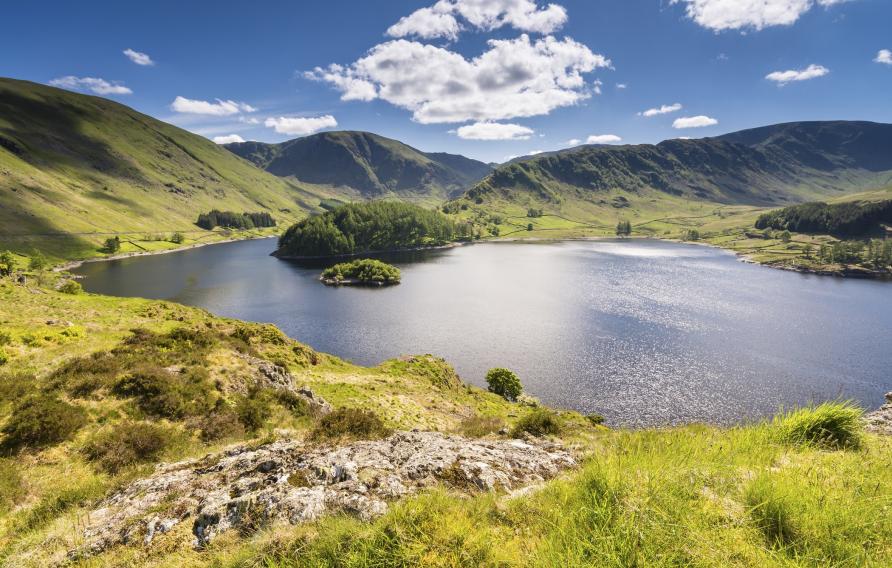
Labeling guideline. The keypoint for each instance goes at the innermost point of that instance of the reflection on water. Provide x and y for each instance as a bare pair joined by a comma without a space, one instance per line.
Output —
644,332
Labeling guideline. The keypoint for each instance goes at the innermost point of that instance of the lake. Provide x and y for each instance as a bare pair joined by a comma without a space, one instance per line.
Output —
644,332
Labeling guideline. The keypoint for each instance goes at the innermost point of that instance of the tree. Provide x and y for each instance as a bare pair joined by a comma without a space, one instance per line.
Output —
7,263
786,237
37,262
112,245
529,226
807,250
504,383
624,228
177,238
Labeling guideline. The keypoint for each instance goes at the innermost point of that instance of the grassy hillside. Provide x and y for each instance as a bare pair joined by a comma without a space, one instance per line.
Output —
808,489
76,168
362,165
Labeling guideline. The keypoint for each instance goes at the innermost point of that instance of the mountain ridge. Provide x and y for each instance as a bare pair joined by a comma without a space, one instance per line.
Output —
365,165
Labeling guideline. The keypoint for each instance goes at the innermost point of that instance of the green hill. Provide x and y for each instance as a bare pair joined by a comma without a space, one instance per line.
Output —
75,168
666,186
364,165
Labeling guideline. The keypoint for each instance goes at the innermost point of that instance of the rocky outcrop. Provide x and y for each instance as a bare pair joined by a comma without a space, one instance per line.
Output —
880,421
290,481
277,377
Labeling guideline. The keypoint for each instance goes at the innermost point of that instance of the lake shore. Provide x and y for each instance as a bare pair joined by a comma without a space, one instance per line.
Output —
73,264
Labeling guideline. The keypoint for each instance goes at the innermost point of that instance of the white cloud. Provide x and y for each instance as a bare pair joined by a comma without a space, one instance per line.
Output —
694,122
513,78
300,126
92,84
622,86
603,139
884,56
721,15
228,139
219,108
810,72
494,131
248,120
574,142
138,57
663,109
447,18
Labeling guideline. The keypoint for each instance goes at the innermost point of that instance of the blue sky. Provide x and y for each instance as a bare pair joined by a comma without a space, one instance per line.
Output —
524,75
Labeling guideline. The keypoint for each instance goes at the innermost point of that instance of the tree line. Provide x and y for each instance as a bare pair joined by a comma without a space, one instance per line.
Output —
851,218
370,226
232,220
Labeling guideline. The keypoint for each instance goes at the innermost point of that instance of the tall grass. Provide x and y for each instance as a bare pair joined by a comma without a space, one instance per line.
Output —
831,425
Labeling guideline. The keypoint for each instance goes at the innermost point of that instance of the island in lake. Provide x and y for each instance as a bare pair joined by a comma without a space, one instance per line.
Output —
375,226
361,272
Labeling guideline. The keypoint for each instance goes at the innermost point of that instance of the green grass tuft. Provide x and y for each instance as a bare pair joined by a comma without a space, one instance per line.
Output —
831,425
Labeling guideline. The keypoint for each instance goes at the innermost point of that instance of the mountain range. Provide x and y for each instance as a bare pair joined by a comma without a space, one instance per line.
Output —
362,165
769,166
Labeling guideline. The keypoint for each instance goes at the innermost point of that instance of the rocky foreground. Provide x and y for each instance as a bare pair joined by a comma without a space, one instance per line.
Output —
294,482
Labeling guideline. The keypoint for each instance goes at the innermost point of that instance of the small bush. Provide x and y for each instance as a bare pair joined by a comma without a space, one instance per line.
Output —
71,287
159,393
770,512
350,423
479,426
538,423
84,375
4,357
221,424
832,425
504,383
254,410
177,238
594,419
126,445
12,487
296,404
40,421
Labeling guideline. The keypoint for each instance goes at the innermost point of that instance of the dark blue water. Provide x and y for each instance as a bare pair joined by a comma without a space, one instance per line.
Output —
644,332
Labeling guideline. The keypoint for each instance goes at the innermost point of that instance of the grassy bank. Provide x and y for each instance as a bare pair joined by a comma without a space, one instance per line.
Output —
806,490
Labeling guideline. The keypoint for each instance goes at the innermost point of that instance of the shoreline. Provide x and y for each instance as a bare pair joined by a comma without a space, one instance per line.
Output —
72,264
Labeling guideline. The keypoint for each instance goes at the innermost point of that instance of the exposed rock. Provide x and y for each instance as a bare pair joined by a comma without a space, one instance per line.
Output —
277,377
289,481
880,421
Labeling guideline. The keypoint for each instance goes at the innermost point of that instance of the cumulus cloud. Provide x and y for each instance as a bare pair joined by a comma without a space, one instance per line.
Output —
300,126
574,142
219,108
721,15
228,139
494,131
512,78
663,109
138,57
92,84
447,18
884,56
603,139
810,72
694,122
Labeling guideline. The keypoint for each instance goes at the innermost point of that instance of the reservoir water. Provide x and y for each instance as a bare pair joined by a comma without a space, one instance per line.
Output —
643,332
